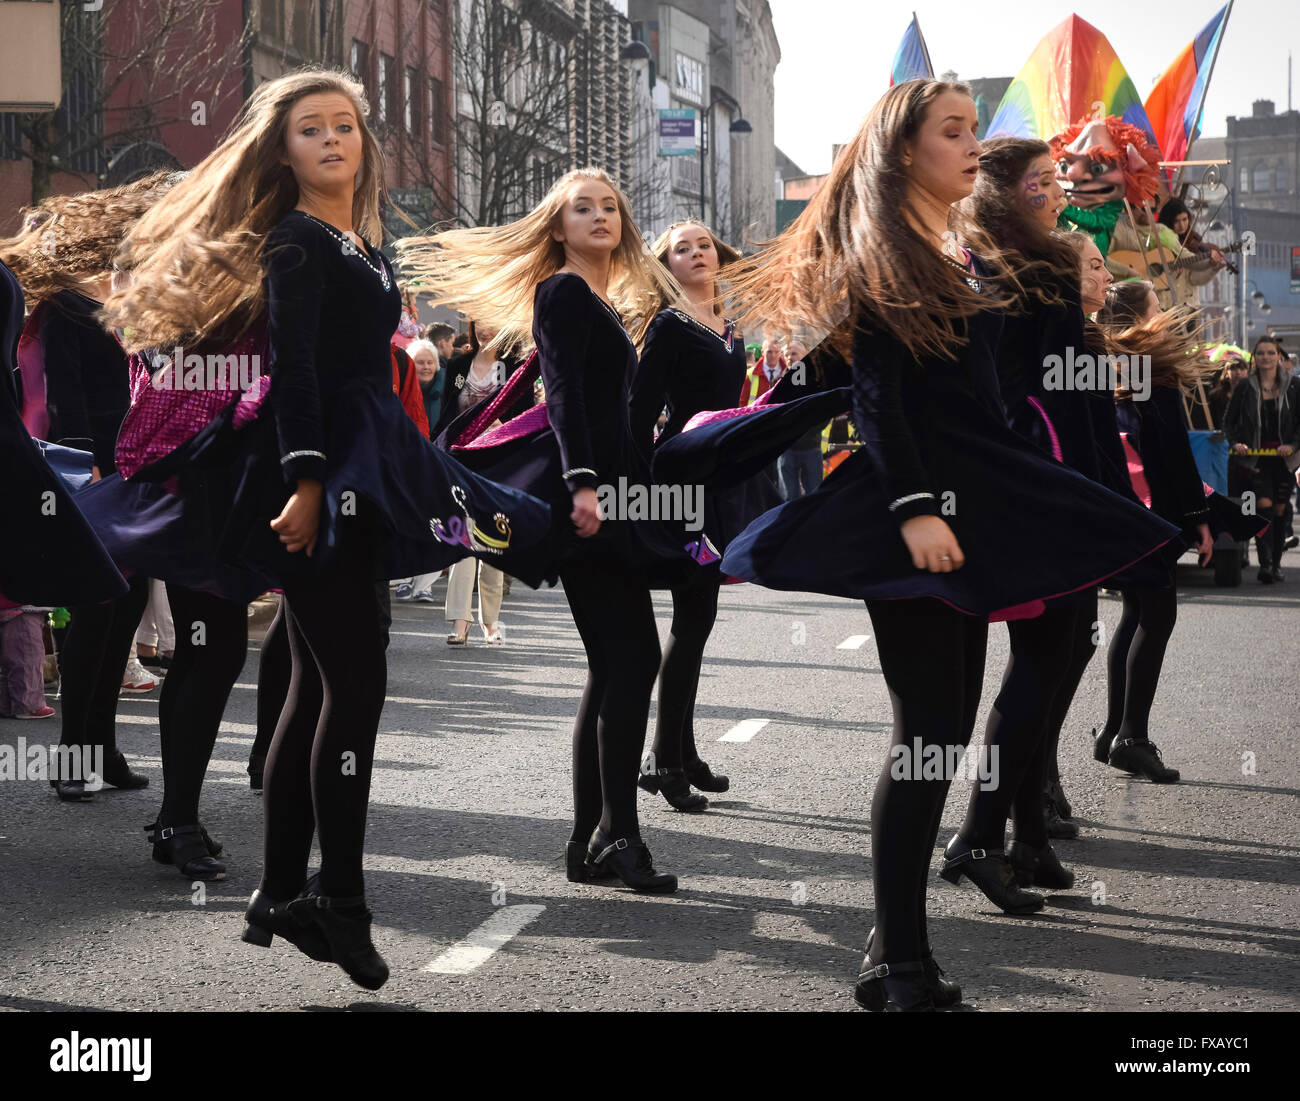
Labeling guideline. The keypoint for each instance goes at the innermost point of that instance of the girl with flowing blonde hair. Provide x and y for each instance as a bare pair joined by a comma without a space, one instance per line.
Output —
563,278
328,486
926,523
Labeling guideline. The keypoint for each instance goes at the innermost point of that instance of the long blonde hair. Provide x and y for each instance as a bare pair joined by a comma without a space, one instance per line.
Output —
854,255
726,256
195,259
493,271
68,241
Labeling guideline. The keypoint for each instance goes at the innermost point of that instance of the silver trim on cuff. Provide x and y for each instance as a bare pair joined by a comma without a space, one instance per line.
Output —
579,470
909,498
301,455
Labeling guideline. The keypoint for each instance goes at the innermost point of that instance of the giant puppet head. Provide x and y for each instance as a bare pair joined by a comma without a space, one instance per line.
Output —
1101,161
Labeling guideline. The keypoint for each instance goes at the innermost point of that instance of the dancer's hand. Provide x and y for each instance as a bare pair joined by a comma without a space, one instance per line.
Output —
932,544
1240,448
1204,544
586,512
297,525
1284,450
95,475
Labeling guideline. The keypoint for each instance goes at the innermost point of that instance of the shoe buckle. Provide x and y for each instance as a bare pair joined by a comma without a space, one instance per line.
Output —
880,970
621,843
166,832
978,854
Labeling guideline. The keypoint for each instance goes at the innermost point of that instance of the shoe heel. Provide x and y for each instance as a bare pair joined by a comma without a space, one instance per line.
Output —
647,782
255,934
952,875
870,996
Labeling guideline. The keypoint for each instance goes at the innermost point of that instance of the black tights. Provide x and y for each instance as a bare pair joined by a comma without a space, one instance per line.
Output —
211,645
933,661
274,666
695,609
1137,652
320,760
1017,725
95,653
1027,803
616,621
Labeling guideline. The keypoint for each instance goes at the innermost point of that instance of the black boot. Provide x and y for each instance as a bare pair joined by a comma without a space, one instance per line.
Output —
187,849
1039,867
266,919
894,988
118,773
1101,742
345,926
1278,532
214,847
991,872
942,992
1264,548
673,785
704,778
631,862
1057,827
256,769
1056,795
1141,757
575,865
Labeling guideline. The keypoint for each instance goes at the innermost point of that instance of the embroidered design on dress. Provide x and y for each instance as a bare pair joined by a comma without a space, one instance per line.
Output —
467,532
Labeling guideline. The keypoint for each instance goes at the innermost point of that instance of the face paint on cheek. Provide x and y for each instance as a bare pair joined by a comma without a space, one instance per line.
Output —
1034,193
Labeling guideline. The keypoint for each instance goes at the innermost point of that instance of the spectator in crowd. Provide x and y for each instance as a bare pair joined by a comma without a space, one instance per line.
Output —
462,343
441,336
763,375
22,662
799,470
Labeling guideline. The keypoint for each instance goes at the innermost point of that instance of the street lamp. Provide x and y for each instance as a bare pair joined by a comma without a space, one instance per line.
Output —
739,125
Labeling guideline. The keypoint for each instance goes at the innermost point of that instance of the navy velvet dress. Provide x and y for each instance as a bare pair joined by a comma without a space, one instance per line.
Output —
49,555
586,362
688,368
937,442
331,415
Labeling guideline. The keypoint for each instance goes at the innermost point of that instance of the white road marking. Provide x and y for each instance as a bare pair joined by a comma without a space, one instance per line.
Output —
853,642
482,944
224,728
744,730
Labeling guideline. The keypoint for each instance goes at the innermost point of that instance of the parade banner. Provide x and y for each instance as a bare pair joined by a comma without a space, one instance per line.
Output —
912,61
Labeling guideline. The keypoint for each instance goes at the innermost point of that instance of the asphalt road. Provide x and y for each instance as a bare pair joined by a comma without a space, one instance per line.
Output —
1186,895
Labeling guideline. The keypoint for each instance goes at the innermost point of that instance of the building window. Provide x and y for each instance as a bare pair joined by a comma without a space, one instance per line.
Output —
1280,181
359,62
688,78
301,32
11,138
271,13
411,92
438,111
1244,181
385,96
1262,179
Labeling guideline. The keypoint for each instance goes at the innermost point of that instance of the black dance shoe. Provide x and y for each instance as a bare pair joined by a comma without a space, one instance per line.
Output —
1056,796
1101,743
673,785
214,847
266,919
1140,757
256,770
1039,867
991,872
1057,827
72,791
1277,575
704,778
942,992
894,988
630,861
118,773
345,925
186,847
575,865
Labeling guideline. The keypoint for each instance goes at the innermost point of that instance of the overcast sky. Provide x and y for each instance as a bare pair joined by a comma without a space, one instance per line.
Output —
836,54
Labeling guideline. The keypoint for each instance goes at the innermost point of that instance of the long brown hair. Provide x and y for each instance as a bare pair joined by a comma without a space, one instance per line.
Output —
854,255
195,259
1046,265
1171,339
726,256
68,241
493,271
